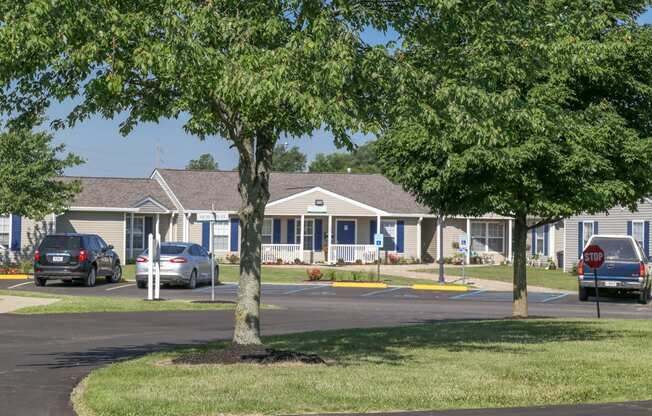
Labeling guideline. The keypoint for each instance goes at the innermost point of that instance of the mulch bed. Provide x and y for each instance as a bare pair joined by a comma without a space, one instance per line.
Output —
248,354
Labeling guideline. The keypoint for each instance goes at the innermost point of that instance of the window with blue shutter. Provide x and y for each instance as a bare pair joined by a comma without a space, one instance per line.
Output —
630,228
206,235
533,244
235,228
546,240
290,231
276,235
16,230
400,236
646,239
318,234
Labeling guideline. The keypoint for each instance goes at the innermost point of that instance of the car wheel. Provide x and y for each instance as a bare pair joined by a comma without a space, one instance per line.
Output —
644,296
583,294
117,274
39,282
90,278
192,283
141,285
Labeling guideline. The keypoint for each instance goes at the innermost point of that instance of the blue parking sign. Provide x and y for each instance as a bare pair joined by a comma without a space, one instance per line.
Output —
378,240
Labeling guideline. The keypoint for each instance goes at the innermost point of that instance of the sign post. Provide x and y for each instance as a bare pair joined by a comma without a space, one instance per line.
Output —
150,267
211,218
594,257
378,242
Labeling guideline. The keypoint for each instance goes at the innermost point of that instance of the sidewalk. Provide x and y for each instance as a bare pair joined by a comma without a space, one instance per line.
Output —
13,303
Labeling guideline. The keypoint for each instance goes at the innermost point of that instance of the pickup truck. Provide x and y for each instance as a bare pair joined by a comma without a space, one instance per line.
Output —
626,269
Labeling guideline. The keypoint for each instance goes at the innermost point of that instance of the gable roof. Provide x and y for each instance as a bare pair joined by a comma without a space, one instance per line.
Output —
201,190
98,192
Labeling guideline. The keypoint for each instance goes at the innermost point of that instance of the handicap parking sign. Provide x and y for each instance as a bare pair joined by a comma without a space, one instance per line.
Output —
378,240
463,244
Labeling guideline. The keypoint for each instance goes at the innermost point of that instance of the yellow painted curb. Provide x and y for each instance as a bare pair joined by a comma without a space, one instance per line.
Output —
14,276
363,285
442,288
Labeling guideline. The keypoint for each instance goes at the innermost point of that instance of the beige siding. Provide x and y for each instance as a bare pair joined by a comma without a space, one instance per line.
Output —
453,229
194,230
180,225
334,205
31,234
429,240
108,225
149,207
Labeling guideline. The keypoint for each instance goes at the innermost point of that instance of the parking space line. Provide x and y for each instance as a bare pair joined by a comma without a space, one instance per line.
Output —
20,284
382,291
467,295
550,299
120,287
305,288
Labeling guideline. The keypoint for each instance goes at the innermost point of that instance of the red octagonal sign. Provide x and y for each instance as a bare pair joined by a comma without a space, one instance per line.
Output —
593,256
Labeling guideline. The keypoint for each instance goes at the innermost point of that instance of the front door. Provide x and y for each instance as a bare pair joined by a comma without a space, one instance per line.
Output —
149,228
346,232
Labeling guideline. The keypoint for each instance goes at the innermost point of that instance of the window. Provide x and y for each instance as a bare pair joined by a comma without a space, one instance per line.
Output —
308,233
638,232
221,236
487,236
139,234
5,224
388,229
587,232
540,241
267,231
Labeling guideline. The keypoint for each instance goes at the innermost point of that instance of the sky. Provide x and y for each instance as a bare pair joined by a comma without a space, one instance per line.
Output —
107,153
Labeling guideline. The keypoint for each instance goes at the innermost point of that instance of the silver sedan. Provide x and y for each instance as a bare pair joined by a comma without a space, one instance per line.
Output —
187,264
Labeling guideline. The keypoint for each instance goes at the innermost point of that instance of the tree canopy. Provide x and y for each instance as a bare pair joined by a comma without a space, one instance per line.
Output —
204,162
288,160
249,72
523,109
363,159
29,168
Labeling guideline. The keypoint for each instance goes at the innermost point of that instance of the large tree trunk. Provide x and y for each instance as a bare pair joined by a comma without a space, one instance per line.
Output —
254,168
519,305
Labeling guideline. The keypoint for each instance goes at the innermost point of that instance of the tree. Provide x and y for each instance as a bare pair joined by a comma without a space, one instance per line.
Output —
205,162
363,159
288,160
249,72
524,109
29,167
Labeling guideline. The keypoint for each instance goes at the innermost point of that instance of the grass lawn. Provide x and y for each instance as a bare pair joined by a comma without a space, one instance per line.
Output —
86,304
443,365
555,279
280,274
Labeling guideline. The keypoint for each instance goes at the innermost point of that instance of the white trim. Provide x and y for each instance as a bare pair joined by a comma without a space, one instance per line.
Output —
438,242
355,237
469,240
199,211
228,236
156,175
312,236
330,238
510,249
153,201
103,209
564,247
271,236
642,222
329,193
11,226
486,236
419,238
592,222
395,236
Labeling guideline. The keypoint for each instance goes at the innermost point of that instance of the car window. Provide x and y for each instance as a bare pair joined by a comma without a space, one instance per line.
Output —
91,243
203,252
171,250
101,242
195,251
617,249
61,242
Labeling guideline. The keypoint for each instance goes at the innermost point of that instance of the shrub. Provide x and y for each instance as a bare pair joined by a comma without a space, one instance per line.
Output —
314,274
26,266
340,262
233,258
298,261
393,258
356,276
358,262
279,261
330,275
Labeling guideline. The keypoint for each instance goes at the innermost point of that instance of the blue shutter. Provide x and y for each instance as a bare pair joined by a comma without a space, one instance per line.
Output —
400,236
546,249
629,228
206,235
372,231
318,235
16,231
276,236
533,237
595,227
290,232
580,238
646,238
235,223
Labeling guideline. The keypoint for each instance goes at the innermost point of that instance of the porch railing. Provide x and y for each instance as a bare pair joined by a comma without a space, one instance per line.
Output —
350,253
271,253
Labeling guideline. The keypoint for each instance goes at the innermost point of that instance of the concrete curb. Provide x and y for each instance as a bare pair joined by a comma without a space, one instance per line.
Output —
15,276
362,285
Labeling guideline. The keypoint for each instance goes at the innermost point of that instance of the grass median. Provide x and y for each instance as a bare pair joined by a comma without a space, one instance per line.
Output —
87,304
444,365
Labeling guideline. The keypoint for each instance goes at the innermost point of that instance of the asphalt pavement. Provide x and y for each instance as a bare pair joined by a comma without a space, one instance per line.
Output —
42,357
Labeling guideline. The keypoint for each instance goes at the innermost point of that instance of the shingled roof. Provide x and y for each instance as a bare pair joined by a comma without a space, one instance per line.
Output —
99,192
201,190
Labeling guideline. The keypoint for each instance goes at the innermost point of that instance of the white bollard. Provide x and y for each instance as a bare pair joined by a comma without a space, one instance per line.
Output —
150,267
157,283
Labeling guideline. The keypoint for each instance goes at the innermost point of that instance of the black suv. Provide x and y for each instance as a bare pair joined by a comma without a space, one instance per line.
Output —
79,257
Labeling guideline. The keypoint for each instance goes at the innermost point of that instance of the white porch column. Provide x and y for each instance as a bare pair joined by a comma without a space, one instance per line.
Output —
186,224
509,241
131,237
378,224
468,240
158,220
419,238
551,242
330,239
303,220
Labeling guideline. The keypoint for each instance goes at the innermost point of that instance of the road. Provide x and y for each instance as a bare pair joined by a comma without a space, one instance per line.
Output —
42,357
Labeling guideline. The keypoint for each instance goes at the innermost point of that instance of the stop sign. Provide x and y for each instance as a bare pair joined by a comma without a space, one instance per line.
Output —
594,256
